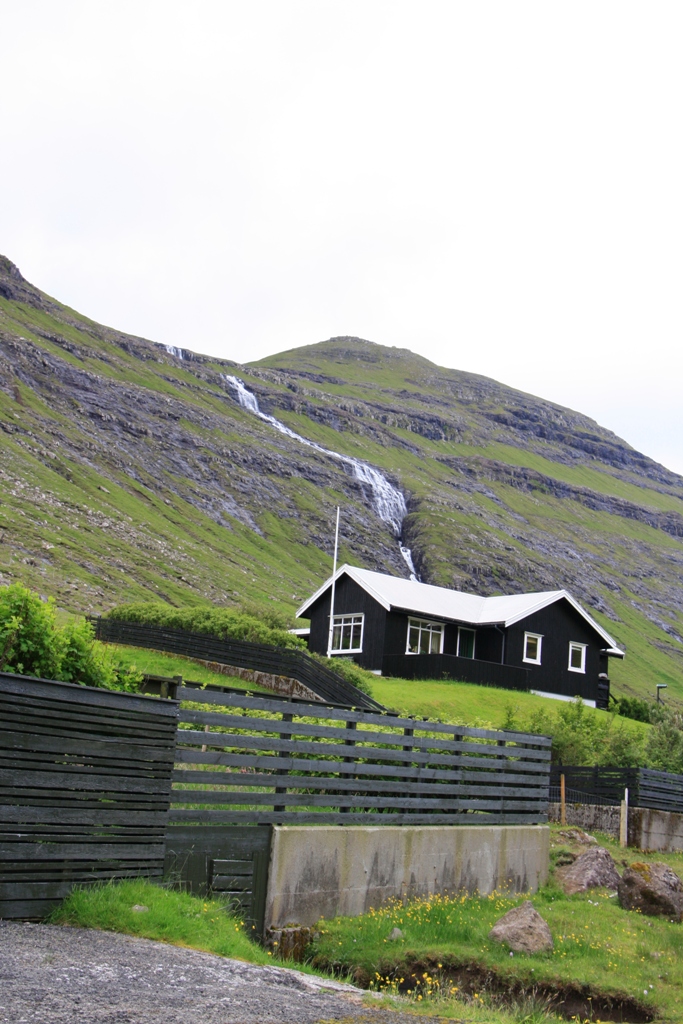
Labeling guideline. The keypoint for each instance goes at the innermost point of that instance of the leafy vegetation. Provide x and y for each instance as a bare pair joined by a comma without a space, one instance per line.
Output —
254,625
32,643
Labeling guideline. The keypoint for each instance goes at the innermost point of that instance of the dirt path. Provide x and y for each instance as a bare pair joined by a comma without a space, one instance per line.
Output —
55,975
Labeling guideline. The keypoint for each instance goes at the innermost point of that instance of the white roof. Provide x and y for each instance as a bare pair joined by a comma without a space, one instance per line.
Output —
394,593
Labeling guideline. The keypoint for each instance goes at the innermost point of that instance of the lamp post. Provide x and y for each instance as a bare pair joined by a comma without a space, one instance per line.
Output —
660,686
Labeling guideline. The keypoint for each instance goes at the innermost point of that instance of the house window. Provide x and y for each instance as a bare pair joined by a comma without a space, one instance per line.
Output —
532,648
577,657
424,637
465,642
347,633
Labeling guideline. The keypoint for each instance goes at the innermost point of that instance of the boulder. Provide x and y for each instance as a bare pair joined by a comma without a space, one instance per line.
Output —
523,930
591,870
653,889
577,835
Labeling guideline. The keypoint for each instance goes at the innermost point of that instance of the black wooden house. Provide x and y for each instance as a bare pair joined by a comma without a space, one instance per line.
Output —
545,642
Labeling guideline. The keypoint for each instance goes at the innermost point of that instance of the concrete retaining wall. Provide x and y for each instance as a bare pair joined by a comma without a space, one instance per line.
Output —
604,818
329,871
655,830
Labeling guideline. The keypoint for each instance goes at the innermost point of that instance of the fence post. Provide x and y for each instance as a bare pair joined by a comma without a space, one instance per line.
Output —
563,805
623,821
348,760
283,753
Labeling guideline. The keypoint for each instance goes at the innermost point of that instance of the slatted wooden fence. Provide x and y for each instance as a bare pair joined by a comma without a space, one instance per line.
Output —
85,780
661,791
252,759
330,686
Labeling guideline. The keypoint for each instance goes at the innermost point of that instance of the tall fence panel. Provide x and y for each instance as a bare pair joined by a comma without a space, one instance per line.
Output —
329,686
254,760
85,781
660,791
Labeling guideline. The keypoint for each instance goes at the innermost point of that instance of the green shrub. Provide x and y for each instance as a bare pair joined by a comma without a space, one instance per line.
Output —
222,623
32,644
633,707
28,634
347,668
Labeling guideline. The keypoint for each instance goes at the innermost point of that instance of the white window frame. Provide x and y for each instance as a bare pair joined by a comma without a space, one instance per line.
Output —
574,645
467,629
350,621
537,659
429,625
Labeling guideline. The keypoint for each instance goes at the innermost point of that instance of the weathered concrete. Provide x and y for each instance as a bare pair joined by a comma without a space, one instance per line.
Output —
655,830
604,818
329,871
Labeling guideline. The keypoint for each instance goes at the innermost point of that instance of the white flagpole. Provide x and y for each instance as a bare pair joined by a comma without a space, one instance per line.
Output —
334,573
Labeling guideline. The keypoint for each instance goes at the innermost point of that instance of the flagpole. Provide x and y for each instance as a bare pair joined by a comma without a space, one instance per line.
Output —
334,573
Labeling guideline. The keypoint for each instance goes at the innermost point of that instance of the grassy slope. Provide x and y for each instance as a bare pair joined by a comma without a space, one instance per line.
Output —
466,703
596,942
94,518
156,663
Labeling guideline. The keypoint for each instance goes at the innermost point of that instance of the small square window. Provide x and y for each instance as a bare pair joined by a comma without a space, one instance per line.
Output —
532,648
465,642
577,657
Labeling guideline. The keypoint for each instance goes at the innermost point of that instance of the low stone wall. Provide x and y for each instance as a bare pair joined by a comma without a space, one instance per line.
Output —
329,871
283,685
655,830
589,817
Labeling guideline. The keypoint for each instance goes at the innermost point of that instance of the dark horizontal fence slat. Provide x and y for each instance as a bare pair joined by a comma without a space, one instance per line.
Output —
647,787
85,781
395,771
281,661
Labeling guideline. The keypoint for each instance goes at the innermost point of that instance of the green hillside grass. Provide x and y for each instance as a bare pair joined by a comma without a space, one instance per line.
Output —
470,704
156,663
145,480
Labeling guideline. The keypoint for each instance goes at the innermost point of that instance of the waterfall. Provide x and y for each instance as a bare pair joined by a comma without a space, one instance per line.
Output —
173,351
387,500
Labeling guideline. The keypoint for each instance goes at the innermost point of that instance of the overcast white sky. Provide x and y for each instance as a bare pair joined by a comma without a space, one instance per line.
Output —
495,185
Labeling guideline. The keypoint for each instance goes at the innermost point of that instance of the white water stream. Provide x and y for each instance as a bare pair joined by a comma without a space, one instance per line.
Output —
387,500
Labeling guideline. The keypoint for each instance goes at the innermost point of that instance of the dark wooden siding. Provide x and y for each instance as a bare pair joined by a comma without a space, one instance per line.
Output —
350,599
559,624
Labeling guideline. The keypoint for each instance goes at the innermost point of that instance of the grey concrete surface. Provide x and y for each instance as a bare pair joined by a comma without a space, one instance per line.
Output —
655,830
328,871
55,975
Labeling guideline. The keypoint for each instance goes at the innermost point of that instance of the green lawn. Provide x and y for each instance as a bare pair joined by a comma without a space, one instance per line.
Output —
470,704
156,663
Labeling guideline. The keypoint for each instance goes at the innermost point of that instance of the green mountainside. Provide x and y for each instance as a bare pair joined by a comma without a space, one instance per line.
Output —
129,472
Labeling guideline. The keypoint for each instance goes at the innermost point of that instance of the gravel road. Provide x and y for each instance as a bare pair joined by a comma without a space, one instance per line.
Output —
55,975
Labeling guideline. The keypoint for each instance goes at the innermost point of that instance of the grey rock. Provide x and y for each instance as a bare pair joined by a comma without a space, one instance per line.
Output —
523,930
396,933
594,869
652,889
139,908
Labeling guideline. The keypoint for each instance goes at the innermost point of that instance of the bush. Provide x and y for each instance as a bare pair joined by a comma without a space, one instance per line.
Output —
633,707
347,668
32,644
261,627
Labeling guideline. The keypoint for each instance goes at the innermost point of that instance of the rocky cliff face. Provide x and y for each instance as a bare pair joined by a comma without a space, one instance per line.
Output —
131,470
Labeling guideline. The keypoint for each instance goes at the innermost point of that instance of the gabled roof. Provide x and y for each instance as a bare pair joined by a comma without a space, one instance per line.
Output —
395,594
